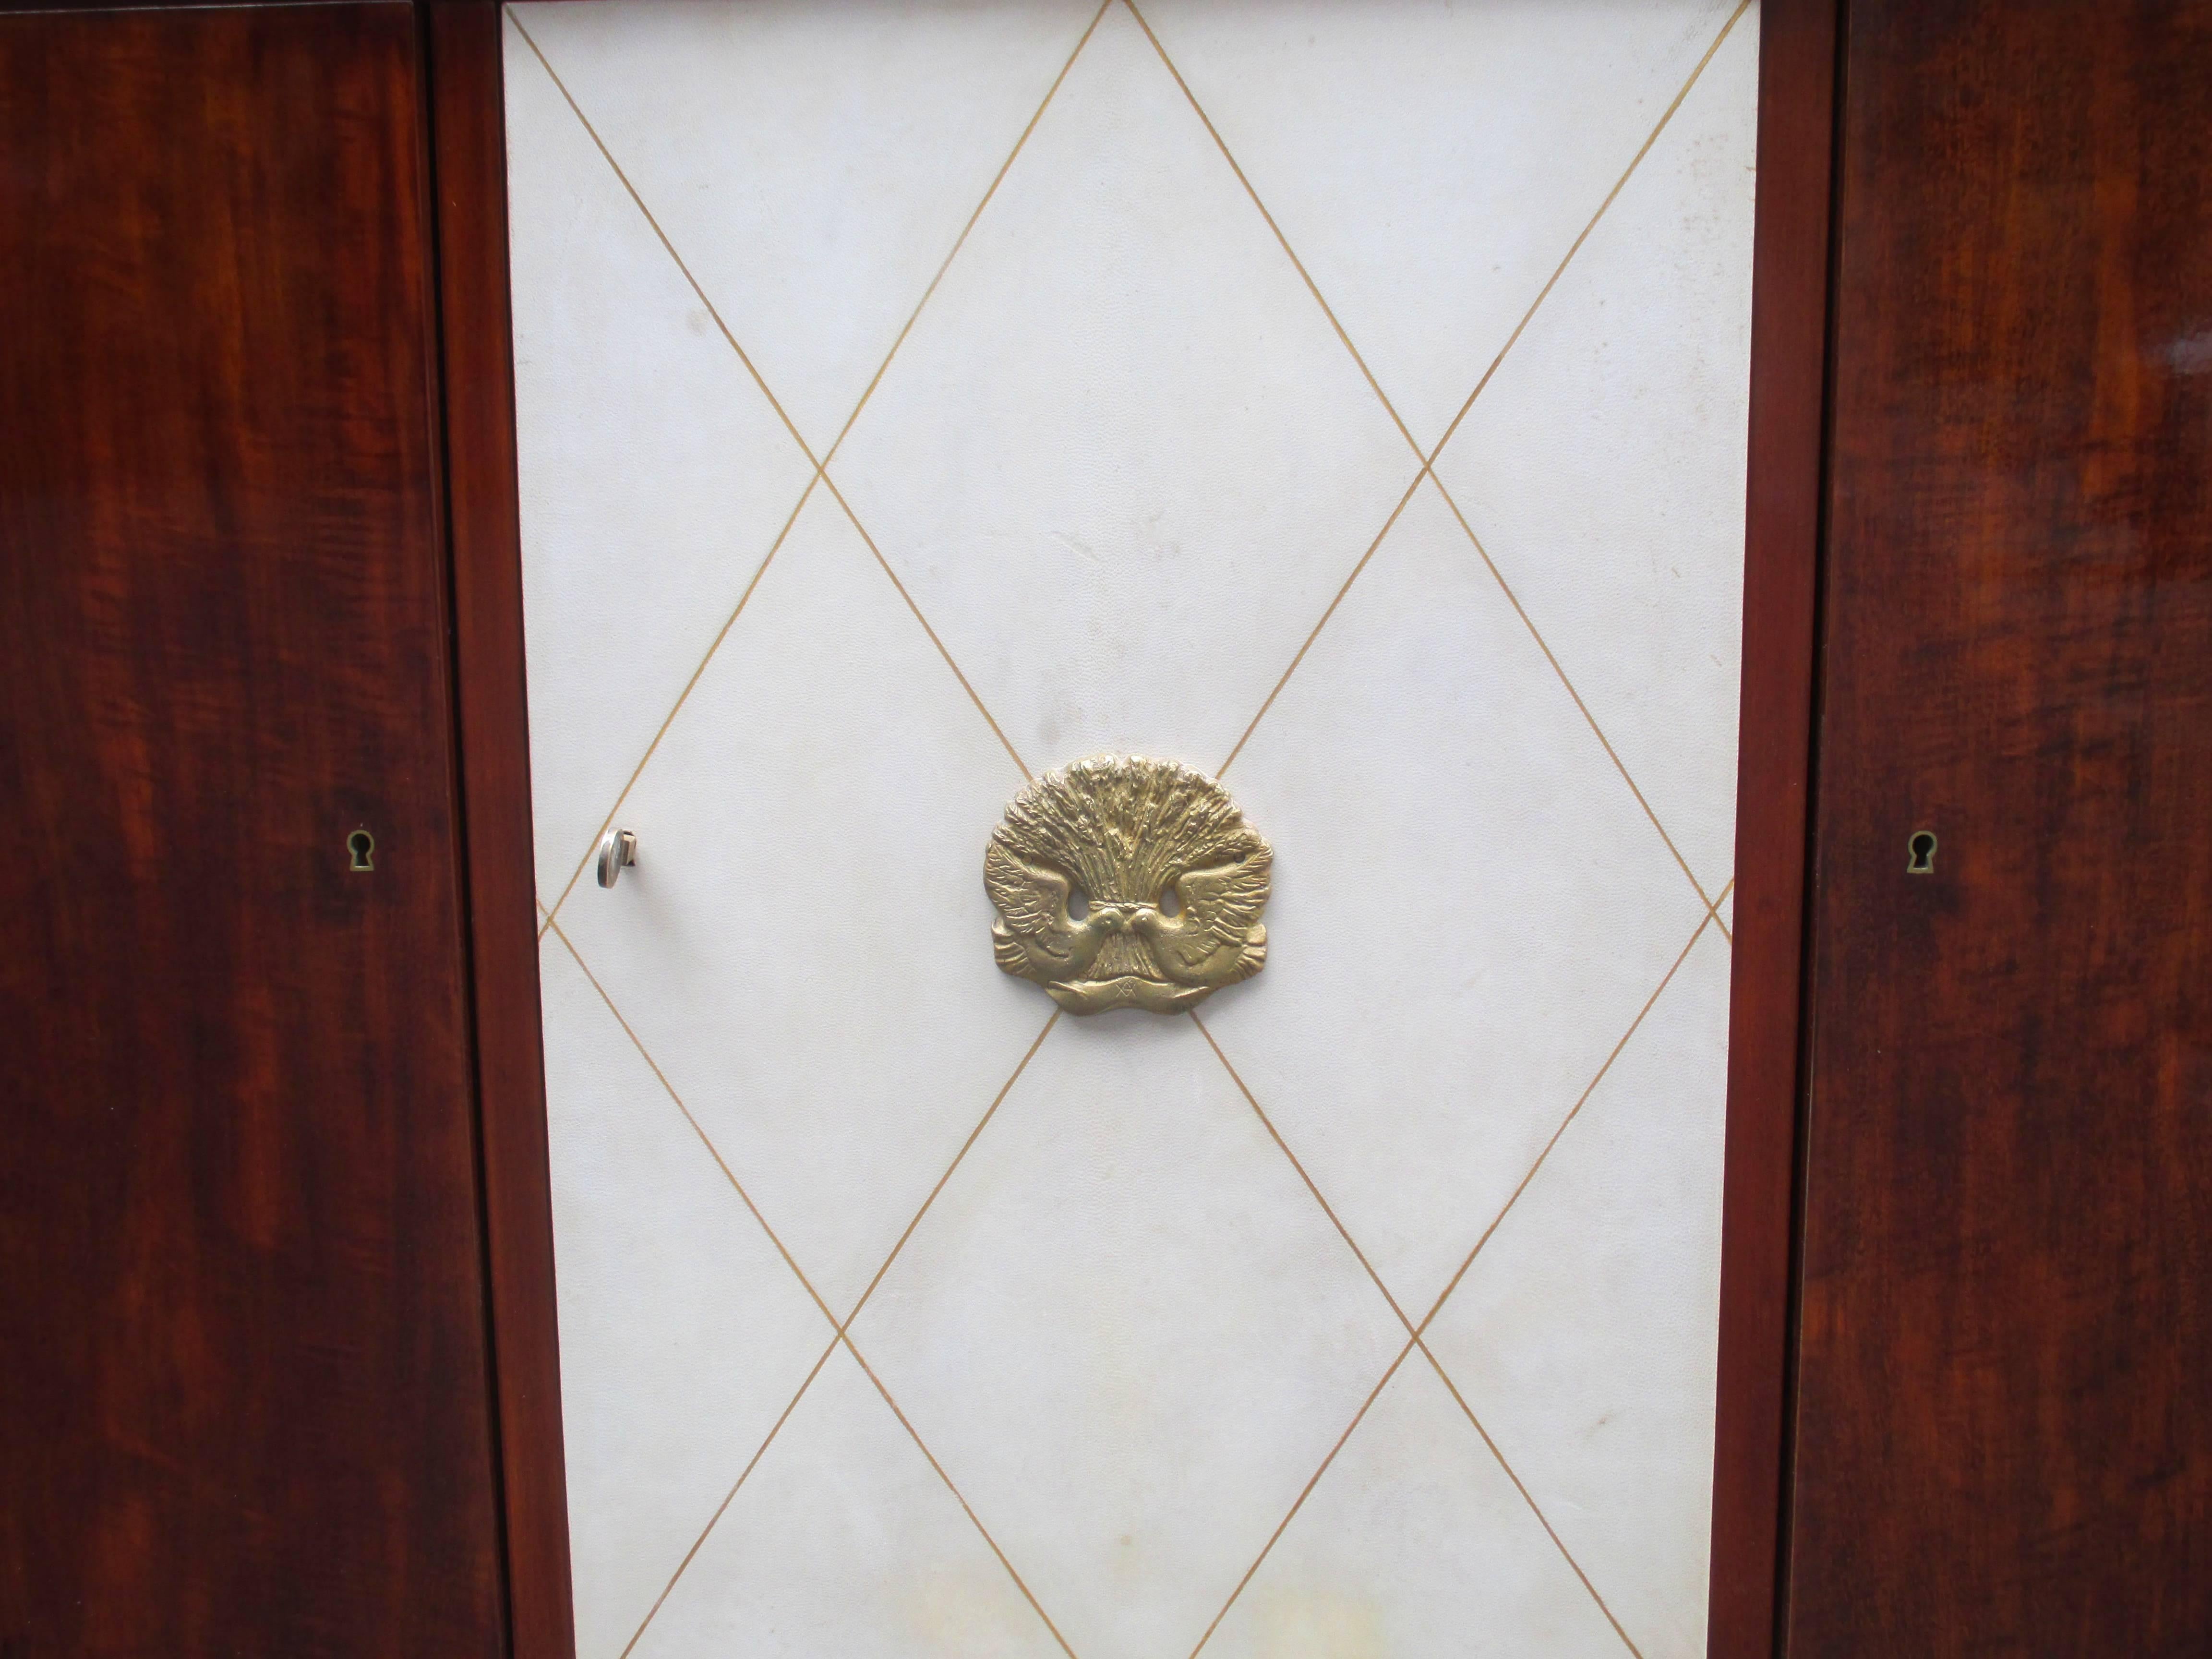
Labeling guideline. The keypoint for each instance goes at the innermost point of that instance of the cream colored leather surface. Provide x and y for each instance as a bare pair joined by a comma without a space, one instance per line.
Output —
1345,397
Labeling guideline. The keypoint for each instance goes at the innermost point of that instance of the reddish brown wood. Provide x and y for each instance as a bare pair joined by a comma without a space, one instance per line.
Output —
1789,331
2004,1417
470,144
244,1408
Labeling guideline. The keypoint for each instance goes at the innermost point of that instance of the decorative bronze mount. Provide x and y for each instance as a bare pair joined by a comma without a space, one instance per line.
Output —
1127,882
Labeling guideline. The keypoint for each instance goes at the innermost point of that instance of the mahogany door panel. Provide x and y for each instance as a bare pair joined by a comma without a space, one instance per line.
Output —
245,1407
2002,1434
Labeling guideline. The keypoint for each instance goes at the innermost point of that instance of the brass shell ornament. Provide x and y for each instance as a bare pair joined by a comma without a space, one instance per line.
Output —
1127,883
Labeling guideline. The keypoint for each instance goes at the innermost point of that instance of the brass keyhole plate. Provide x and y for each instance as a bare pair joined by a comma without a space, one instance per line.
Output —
1920,854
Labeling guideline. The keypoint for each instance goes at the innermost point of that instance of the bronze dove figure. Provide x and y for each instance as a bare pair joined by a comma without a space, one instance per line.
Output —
1215,937
1034,936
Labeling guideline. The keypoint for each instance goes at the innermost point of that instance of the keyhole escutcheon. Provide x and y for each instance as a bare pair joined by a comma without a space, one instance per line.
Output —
362,847
1921,850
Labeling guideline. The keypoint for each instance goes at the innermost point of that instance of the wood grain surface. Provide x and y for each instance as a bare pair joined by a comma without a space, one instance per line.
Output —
1788,390
2004,1414
468,126
244,1408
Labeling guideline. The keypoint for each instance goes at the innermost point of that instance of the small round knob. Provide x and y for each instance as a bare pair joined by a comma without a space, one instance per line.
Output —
617,848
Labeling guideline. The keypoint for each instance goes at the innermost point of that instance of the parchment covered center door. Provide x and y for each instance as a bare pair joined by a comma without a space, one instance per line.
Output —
1341,403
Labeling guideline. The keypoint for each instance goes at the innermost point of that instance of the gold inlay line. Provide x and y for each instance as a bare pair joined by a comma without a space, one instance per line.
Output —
1427,462
1529,1498
960,240
1289,252
974,1135
1576,247
712,311
1514,1198
1417,1334
1316,632
821,466
1275,1135
1560,669
1304,1492
842,1327
845,1335
1005,743
677,708
1036,1606
752,1463
1415,1337
745,358
713,1151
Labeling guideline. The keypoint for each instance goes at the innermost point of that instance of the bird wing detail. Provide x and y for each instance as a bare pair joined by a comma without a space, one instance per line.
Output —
1033,901
1226,901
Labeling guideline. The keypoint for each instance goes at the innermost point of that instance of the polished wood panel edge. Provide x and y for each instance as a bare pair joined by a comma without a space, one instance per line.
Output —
1789,397
37,6
469,146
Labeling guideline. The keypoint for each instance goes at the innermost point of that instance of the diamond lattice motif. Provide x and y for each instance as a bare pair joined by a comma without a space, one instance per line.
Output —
1431,216
1130,1358
1415,1542
1122,460
655,474
683,1333
1475,868
1129,1332
1584,1335
796,947
1623,398
814,164
845,1542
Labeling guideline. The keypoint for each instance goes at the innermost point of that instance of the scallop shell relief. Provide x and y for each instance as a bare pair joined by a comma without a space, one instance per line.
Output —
1127,882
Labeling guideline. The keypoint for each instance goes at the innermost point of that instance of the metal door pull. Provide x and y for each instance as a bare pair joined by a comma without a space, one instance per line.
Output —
618,850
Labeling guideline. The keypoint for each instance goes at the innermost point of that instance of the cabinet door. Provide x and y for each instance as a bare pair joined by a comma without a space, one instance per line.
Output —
1346,402
246,1404
2002,1445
